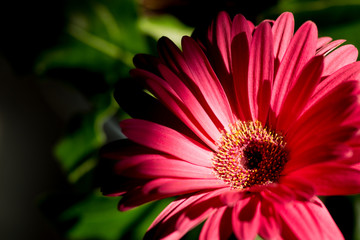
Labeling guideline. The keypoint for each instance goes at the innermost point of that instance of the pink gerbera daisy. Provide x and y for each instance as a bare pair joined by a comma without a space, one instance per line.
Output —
269,119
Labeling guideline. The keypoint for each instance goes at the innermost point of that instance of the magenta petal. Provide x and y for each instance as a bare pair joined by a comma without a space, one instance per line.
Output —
199,123
136,197
219,53
317,154
126,162
169,186
344,74
217,225
208,83
173,207
324,50
160,167
200,209
246,218
172,56
269,221
283,31
165,225
240,49
321,118
231,197
287,190
261,70
339,58
299,95
301,49
322,41
191,103
146,62
308,220
164,139
279,193
166,187
302,189
222,38
331,178
179,218
240,26
251,26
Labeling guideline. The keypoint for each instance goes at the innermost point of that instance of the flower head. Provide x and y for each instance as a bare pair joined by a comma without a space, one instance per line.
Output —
269,119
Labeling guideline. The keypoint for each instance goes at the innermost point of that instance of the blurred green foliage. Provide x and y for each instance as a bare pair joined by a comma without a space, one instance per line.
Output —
94,52
100,39
98,218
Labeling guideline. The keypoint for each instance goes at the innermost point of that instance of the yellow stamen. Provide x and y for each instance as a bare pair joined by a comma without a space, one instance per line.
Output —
249,154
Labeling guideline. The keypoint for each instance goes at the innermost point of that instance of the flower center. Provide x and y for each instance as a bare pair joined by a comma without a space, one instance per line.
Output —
249,154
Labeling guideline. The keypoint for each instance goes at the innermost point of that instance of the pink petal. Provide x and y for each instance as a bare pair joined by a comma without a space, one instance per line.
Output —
209,85
164,226
146,62
200,209
339,58
167,140
278,193
308,220
327,136
166,94
330,178
261,67
166,187
269,221
283,31
181,186
231,197
135,196
302,189
240,26
126,162
301,49
217,225
246,218
240,51
299,95
172,57
288,189
190,101
178,219
222,38
317,154
344,74
324,50
321,118
322,41
251,26
219,54
170,209
167,167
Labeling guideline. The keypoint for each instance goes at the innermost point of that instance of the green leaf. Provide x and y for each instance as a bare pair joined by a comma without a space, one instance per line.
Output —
101,36
98,218
77,148
164,25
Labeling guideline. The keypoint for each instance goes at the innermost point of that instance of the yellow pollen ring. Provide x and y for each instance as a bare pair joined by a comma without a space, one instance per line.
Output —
249,154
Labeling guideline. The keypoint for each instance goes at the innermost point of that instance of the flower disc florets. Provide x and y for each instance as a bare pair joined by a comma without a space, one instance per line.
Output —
249,154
